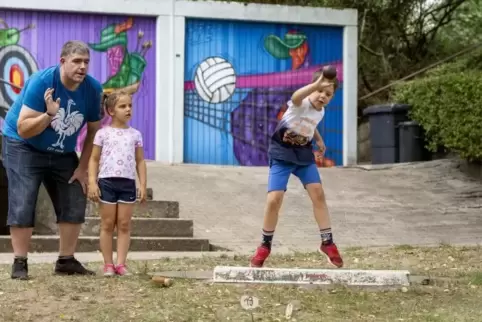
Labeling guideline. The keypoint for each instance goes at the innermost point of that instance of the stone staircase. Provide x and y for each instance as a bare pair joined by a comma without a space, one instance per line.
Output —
156,226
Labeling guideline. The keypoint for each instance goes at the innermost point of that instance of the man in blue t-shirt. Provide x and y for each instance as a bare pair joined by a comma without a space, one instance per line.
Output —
39,138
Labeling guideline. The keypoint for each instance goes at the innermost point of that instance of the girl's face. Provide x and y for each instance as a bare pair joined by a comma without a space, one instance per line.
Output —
122,110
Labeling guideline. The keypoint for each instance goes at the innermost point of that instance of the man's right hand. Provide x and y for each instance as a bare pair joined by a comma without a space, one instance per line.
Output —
52,106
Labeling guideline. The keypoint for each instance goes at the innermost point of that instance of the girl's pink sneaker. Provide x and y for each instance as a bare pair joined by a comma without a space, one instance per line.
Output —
109,270
121,270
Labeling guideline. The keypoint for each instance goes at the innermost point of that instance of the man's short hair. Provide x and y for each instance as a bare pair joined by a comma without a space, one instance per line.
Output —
72,47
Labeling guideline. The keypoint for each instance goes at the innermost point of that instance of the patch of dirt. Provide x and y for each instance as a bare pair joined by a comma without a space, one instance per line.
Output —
453,296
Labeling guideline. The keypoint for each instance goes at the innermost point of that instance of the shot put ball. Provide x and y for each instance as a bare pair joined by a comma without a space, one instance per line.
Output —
329,72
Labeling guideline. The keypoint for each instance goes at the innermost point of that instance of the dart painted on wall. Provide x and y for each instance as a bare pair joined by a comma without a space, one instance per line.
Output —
16,64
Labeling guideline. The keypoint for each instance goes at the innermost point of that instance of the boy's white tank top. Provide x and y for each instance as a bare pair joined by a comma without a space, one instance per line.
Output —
301,120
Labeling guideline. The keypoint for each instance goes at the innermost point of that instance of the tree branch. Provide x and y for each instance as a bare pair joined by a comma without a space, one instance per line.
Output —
446,18
370,50
364,79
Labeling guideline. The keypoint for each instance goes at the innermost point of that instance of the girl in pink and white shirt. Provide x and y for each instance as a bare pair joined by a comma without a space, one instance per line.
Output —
116,157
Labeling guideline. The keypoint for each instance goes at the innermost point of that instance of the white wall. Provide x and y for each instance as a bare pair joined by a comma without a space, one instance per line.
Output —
171,15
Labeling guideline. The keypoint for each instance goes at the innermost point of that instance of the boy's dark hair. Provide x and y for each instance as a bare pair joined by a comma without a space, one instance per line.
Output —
317,75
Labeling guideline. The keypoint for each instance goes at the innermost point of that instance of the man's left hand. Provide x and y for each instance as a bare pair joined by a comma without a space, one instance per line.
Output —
80,175
322,146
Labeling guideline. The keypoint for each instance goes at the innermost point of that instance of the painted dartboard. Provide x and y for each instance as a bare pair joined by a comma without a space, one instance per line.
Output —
16,66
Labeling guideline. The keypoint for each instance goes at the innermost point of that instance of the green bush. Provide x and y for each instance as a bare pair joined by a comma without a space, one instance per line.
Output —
448,105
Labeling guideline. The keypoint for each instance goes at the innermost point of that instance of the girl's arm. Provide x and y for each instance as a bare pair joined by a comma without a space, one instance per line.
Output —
94,164
141,168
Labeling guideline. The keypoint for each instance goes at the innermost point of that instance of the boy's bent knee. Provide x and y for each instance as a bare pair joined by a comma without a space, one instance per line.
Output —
275,197
316,192
315,187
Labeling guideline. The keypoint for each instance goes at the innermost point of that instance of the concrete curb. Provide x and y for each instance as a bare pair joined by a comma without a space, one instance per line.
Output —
349,277
208,274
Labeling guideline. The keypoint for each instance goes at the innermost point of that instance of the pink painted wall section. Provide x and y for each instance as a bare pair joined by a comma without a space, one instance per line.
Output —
122,57
283,79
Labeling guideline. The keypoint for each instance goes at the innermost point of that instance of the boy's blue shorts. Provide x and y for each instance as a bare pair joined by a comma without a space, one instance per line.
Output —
280,172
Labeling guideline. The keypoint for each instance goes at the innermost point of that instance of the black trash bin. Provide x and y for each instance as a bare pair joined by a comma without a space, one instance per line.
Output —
384,120
411,142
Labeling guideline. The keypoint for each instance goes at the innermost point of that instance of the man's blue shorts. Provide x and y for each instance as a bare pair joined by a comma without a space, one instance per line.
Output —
26,169
280,172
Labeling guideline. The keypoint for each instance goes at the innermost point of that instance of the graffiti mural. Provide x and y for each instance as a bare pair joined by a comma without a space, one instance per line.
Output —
16,64
238,79
120,54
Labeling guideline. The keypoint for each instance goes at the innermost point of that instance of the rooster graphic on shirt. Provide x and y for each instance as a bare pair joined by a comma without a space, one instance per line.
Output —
66,123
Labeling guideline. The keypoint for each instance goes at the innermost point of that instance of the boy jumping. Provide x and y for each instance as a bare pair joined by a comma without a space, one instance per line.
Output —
290,152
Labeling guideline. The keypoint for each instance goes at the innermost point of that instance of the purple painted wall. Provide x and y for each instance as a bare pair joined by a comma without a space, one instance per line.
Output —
41,35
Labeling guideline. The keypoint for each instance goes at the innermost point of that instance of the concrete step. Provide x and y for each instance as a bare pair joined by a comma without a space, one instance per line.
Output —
44,244
45,222
146,227
150,209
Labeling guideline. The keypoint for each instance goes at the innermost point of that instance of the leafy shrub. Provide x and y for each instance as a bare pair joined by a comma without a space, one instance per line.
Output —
448,105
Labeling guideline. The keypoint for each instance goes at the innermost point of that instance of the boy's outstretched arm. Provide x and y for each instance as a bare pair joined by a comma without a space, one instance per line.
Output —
298,96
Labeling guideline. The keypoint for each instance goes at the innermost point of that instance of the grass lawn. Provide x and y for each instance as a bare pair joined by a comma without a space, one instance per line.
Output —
455,295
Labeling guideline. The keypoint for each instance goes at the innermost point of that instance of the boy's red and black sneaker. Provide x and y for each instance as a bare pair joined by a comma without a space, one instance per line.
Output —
262,253
332,254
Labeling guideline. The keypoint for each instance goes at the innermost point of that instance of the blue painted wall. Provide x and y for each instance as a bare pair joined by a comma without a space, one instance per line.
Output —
238,76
